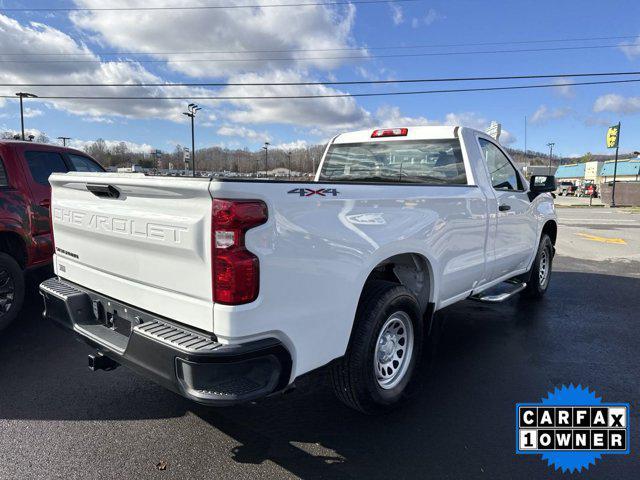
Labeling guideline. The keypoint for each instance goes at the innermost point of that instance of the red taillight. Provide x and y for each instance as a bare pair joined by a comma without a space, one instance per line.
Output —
236,272
390,132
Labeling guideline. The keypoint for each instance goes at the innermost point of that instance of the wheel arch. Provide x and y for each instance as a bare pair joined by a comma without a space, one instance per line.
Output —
13,244
412,270
550,228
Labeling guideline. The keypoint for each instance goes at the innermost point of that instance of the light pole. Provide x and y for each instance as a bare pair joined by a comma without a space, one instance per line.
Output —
550,145
615,170
64,140
22,95
192,108
289,154
266,159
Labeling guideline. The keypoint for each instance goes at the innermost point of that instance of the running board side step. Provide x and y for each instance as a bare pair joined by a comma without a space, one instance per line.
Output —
499,297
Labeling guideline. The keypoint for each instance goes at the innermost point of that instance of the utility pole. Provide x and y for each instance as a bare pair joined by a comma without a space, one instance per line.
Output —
192,108
22,95
64,140
266,159
525,139
289,154
550,145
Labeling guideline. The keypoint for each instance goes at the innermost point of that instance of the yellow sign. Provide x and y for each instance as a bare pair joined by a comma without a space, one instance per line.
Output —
612,136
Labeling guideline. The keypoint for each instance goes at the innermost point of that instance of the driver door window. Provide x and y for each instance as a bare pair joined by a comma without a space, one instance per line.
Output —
503,174
515,229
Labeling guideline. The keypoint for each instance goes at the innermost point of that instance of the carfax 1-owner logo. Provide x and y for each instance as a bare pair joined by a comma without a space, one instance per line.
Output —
572,428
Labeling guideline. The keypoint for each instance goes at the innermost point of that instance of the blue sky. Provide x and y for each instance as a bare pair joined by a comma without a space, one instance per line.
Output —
575,118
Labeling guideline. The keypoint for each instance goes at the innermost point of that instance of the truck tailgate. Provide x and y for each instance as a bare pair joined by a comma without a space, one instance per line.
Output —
150,247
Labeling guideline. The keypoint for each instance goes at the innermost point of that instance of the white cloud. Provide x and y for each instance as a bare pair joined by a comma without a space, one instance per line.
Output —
429,18
390,116
98,120
544,114
397,14
32,112
631,49
295,145
273,31
36,38
325,114
565,90
243,132
131,146
613,102
10,132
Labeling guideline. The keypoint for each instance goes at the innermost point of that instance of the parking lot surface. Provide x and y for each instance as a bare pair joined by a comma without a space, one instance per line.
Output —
59,420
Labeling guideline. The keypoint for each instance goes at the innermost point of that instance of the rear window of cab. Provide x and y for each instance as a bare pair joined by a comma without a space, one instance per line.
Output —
433,162
43,163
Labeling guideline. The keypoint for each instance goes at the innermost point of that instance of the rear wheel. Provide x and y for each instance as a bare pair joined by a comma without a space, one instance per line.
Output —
377,372
11,289
540,273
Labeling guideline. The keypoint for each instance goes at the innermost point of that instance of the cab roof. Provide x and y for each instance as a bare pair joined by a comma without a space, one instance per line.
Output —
25,144
416,132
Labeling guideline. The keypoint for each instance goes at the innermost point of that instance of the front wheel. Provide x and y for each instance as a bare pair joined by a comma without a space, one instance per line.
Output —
11,289
540,273
378,370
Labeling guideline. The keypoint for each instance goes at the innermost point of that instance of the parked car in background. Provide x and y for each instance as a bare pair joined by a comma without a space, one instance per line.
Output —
565,188
228,290
25,197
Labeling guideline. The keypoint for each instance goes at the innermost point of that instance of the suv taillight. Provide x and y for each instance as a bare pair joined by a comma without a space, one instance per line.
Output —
236,271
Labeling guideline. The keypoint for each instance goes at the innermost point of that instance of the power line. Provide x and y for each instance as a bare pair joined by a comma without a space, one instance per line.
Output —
342,57
346,82
337,95
337,49
197,7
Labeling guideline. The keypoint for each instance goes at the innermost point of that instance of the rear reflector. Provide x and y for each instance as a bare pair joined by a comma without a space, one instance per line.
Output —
235,270
390,132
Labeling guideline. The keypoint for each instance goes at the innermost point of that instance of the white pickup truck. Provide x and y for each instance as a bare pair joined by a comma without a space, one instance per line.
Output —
228,290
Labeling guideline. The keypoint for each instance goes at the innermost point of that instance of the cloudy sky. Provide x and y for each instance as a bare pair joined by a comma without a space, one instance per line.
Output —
304,44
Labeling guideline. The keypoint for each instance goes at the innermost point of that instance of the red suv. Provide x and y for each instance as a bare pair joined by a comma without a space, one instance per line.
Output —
25,197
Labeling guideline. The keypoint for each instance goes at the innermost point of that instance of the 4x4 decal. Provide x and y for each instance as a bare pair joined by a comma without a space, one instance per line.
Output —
309,192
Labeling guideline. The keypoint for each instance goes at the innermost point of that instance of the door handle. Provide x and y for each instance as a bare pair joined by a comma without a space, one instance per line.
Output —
504,208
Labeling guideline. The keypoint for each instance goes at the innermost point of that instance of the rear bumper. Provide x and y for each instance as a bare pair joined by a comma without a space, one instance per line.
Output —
181,359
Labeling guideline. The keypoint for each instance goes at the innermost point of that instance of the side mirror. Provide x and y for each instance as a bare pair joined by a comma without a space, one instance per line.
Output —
541,184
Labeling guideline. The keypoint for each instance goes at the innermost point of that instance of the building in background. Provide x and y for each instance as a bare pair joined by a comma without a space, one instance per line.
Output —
580,174
529,170
628,171
573,173
131,169
592,171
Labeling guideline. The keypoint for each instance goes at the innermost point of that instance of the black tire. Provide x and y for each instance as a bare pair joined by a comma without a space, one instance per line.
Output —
354,376
11,289
536,286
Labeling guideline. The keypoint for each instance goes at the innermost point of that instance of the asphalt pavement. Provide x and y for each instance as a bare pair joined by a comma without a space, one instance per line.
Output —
59,420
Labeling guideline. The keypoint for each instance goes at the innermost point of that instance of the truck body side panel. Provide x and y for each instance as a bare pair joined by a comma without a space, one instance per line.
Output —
317,251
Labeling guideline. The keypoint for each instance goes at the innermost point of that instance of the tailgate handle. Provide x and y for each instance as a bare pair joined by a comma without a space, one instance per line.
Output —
105,191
